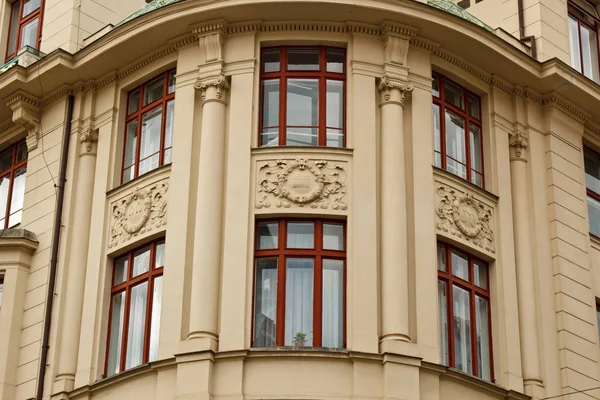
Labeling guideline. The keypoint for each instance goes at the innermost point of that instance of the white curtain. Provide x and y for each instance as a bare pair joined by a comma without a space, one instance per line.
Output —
443,321
483,337
301,235
265,303
116,334
462,330
155,321
333,303
151,127
299,300
137,325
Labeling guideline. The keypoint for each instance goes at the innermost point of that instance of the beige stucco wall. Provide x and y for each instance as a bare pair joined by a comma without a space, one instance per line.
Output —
558,274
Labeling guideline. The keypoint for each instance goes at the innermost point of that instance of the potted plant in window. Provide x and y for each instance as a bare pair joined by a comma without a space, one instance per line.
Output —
300,339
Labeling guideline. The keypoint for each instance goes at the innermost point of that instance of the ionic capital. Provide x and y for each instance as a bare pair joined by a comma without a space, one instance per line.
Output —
393,91
26,113
518,143
220,83
88,141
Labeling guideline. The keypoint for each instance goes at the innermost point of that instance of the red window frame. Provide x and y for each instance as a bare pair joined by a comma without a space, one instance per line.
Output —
126,286
444,105
139,114
317,253
592,194
22,22
284,74
10,173
583,18
451,280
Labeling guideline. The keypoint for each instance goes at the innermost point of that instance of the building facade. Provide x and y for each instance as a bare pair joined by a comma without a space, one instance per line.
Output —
303,199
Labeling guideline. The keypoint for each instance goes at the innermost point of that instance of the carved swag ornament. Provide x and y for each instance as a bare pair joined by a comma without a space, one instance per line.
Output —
465,217
141,211
318,184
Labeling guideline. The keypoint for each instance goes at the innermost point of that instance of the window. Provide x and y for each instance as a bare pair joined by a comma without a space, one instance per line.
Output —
597,316
13,169
149,126
1,289
592,181
583,40
303,96
25,27
299,288
136,298
464,313
458,146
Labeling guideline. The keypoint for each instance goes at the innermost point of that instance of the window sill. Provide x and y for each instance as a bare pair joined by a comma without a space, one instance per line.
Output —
302,149
465,183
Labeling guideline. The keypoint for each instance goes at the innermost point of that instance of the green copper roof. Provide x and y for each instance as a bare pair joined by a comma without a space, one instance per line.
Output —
455,9
153,5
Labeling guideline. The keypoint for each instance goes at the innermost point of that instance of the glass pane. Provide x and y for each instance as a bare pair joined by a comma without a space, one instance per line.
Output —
6,159
335,60
480,277
300,235
149,164
121,268
134,102
455,137
155,321
303,59
435,86
265,303
483,338
171,88
21,152
302,137
475,140
168,155
476,178
14,28
160,255
154,90
574,44
462,330
1,290
454,94
269,137
333,303
333,237
474,109
131,144
268,235
270,103
460,265
437,137
30,6
335,138
128,174
302,111
169,124
151,122
589,50
18,191
592,170
299,302
4,185
594,213
597,313
116,334
270,59
137,326
335,104
441,257
141,261
29,34
15,219
443,321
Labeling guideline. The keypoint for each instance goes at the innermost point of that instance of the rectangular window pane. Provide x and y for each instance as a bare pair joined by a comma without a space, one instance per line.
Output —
335,138
594,215
18,194
333,303
160,255
131,143
4,186
155,321
441,257
475,140
301,235
303,59
269,137
335,104
14,28
137,326
121,269
483,338
30,6
302,111
443,321
151,126
169,129
589,48
21,152
134,102
1,291
592,170
435,85
574,44
302,137
154,90
270,103
437,137
265,303
268,235
460,265
474,109
476,178
171,88
29,34
299,302
6,159
480,274
455,137
462,330
149,164
116,334
141,261
454,94
270,60
333,237
597,314
335,60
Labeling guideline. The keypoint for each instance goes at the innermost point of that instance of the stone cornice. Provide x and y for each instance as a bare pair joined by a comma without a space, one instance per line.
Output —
553,99
18,238
396,29
210,27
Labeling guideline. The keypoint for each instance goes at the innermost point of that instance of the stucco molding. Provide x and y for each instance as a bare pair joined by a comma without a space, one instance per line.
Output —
301,182
590,126
361,28
89,141
553,99
143,209
386,85
424,44
244,27
26,110
461,215
518,142
210,27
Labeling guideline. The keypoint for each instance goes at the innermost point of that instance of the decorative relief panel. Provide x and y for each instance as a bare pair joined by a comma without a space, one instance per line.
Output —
138,212
465,216
301,183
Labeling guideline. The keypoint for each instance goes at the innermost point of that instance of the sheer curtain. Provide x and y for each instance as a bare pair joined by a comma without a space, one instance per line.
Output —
483,338
333,303
443,321
265,303
299,300
155,321
116,333
137,325
462,330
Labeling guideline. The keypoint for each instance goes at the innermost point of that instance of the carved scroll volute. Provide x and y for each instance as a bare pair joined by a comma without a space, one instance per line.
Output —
88,140
26,113
393,91
518,143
